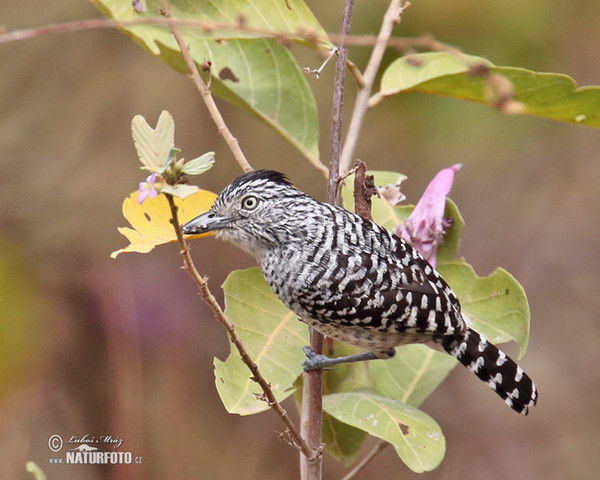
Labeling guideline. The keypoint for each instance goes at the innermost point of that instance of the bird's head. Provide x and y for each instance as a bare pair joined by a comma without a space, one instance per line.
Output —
257,211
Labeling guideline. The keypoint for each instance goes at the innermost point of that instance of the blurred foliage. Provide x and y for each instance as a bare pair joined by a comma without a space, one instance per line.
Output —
22,328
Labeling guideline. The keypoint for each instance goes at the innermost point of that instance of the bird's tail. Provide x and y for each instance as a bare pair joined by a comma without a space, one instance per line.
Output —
495,368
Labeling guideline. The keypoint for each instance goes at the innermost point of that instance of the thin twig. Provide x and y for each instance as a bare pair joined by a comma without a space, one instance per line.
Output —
312,393
338,104
309,37
426,41
317,72
391,18
379,446
207,97
208,297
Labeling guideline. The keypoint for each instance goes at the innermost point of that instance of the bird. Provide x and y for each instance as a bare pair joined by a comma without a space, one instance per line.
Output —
353,280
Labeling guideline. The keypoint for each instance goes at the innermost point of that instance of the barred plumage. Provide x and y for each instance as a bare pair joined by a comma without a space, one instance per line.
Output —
352,279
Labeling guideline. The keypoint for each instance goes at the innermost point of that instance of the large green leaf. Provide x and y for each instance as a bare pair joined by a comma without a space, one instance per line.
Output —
271,334
496,304
549,95
342,441
412,374
250,70
416,437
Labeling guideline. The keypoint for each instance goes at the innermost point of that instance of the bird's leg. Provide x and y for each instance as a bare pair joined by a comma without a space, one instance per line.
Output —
316,360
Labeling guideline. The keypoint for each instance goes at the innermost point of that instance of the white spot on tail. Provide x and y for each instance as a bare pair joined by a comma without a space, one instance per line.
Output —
519,374
501,359
477,364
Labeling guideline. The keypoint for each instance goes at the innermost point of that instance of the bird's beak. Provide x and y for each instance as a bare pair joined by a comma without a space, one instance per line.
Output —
207,222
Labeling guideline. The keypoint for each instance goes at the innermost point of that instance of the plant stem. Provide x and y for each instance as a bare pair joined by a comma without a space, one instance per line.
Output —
208,297
204,90
338,104
390,19
312,393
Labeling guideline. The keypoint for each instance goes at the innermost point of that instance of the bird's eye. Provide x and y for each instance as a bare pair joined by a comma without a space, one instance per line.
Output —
250,203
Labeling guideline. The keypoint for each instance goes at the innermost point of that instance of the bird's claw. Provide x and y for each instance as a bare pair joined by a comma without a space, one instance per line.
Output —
314,361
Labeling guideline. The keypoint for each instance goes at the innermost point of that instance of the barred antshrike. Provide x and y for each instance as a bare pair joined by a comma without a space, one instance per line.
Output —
353,280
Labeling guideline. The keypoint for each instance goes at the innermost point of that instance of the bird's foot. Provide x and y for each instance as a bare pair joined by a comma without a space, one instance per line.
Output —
314,361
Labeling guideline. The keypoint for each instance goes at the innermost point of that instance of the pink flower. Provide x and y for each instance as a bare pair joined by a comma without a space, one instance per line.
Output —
147,189
138,6
425,227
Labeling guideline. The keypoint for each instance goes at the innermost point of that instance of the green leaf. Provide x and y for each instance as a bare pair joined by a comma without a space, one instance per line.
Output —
342,441
496,304
154,145
549,95
199,165
250,70
447,250
415,69
271,334
38,473
412,374
181,191
416,437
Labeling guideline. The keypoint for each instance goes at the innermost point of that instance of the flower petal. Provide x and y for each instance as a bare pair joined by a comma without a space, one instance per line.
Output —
424,228
142,195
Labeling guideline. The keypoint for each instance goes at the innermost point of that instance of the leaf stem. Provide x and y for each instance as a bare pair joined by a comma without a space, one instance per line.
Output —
390,19
208,297
206,94
379,446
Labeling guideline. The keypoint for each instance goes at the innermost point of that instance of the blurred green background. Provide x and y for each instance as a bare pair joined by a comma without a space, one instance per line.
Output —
124,347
